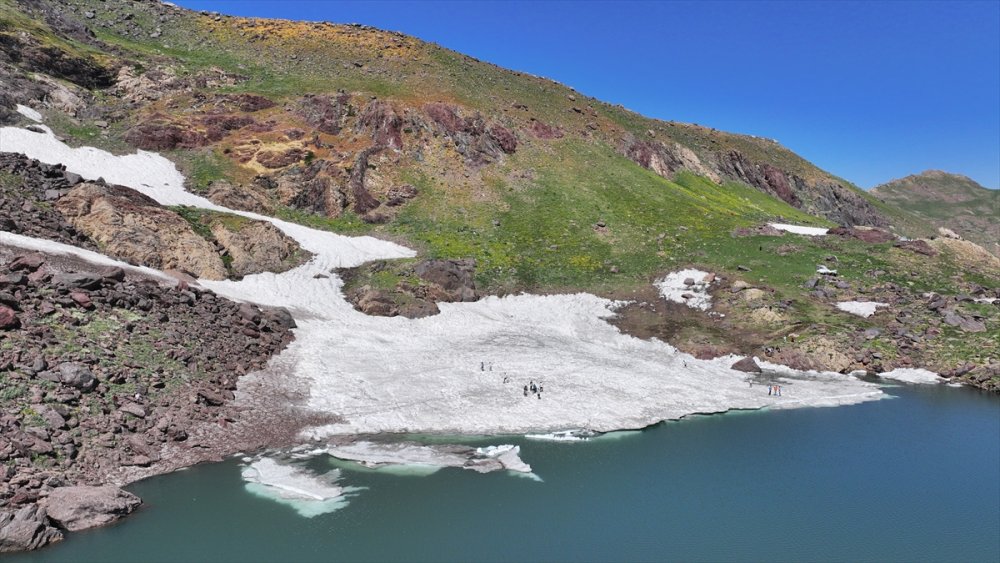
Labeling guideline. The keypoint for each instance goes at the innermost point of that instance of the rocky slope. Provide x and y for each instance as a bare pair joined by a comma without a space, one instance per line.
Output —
951,201
101,371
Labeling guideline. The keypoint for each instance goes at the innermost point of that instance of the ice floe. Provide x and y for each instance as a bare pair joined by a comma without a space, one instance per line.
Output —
912,375
801,229
860,308
403,375
675,287
29,113
308,493
380,454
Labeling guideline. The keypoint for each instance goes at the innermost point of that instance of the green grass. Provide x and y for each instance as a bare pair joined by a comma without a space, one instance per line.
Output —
202,167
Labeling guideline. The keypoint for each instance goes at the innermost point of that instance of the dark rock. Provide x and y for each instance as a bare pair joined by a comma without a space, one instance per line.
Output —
82,299
77,375
748,365
77,281
917,246
113,273
281,317
28,262
455,277
8,318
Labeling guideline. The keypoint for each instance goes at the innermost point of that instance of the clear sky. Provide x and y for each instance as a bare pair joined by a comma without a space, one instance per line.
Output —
869,91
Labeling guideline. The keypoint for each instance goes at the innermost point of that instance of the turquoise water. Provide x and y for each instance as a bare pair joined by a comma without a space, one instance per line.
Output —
916,478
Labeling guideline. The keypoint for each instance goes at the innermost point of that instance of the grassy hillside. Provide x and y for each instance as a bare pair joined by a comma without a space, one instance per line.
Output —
948,200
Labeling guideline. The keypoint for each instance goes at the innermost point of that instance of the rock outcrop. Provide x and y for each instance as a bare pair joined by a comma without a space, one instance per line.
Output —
25,529
83,507
134,228
256,246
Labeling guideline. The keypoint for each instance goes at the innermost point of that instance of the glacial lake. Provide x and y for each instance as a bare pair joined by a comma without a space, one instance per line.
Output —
913,478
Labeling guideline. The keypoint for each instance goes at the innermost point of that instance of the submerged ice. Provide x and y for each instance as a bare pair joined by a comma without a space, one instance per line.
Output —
426,375
308,493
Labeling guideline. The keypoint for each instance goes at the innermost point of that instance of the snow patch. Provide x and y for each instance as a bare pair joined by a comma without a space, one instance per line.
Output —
309,494
29,113
696,296
800,229
911,375
860,308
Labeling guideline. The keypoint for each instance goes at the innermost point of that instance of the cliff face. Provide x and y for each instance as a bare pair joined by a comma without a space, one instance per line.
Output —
951,201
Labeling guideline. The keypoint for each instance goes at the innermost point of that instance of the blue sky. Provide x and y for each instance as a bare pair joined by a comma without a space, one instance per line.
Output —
869,91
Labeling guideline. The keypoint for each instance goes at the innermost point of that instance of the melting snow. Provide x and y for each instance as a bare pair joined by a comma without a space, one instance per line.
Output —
911,375
423,375
800,229
860,308
29,113
696,296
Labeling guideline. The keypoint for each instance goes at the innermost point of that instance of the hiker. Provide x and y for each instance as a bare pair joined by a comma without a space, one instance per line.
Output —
539,395
525,390
491,366
779,390
769,389
540,388
482,366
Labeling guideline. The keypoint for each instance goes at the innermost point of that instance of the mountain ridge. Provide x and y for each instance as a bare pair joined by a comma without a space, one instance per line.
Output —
951,201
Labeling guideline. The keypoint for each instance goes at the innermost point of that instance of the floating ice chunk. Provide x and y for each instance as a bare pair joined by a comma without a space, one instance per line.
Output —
383,454
860,308
29,113
508,455
800,229
563,436
911,375
696,296
309,494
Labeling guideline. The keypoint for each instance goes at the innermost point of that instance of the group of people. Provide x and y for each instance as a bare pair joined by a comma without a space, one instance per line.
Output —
530,389
773,390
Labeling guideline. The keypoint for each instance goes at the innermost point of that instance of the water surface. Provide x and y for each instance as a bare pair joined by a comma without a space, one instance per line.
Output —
916,478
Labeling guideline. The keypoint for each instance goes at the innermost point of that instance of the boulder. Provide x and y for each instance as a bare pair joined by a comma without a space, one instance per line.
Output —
28,262
26,529
77,375
748,365
8,319
280,316
77,281
82,507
